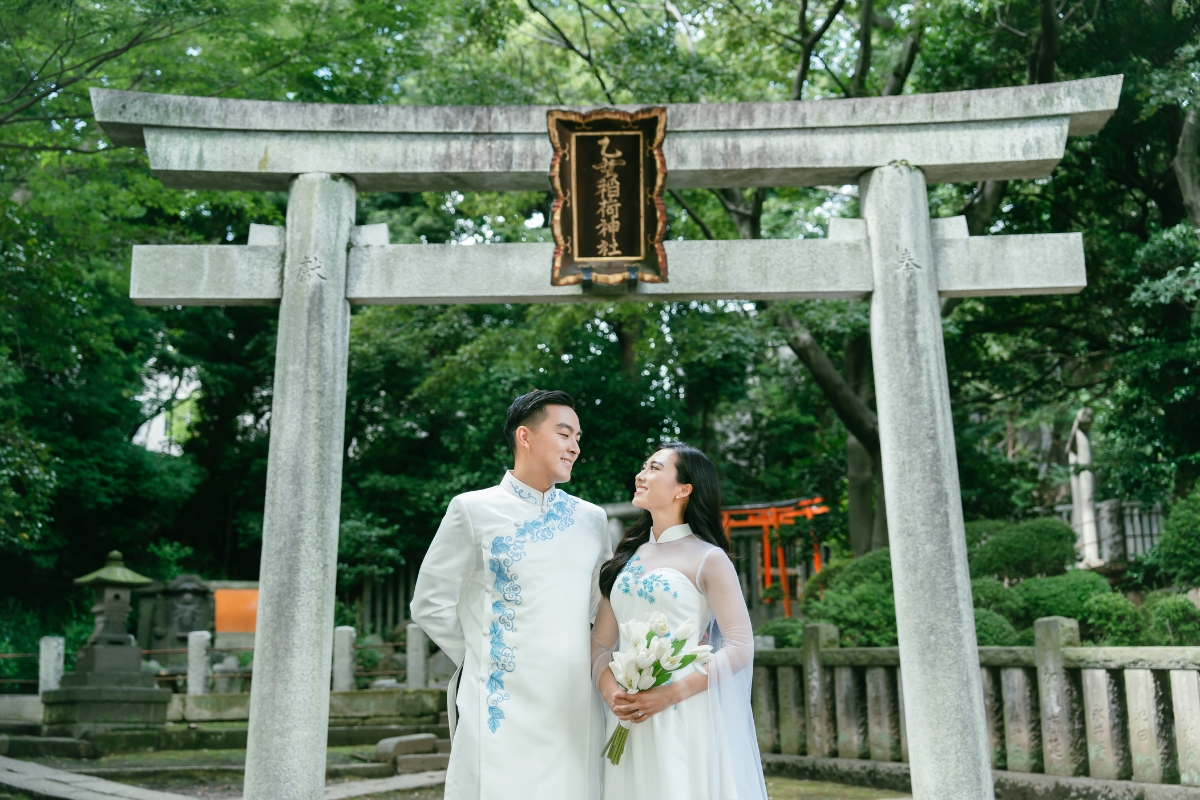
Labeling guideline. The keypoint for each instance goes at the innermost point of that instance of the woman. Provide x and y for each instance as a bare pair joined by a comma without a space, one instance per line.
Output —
694,736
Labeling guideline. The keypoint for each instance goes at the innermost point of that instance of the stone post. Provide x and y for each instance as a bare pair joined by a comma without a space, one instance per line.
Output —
1063,737
343,658
1022,732
416,672
197,661
51,650
935,617
1185,695
849,702
820,733
289,705
883,714
1104,713
1151,743
993,706
790,690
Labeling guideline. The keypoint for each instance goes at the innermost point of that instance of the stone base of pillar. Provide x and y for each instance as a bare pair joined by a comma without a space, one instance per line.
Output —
77,711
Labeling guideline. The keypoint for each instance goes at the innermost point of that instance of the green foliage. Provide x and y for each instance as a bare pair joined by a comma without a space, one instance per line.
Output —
1111,619
367,550
1179,545
858,599
168,560
788,631
991,595
22,626
1042,546
1061,595
1175,621
992,629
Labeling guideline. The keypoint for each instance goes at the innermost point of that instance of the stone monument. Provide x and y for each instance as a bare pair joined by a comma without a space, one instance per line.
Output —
320,263
108,690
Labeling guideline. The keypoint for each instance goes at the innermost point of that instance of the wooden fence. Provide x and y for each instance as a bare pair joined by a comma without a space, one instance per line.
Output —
1117,713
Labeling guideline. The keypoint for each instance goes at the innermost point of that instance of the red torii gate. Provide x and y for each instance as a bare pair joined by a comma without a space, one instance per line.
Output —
770,516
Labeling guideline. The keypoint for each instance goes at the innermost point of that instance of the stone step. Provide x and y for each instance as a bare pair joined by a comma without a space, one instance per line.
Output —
422,762
444,719
360,770
443,745
45,746
16,727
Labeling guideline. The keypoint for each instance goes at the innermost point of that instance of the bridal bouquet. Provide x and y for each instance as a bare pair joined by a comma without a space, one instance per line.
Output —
656,654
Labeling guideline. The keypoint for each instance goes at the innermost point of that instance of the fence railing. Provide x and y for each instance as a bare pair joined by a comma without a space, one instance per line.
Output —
1124,528
1117,713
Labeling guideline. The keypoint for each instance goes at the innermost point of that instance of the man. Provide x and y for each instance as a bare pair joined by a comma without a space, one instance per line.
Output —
508,590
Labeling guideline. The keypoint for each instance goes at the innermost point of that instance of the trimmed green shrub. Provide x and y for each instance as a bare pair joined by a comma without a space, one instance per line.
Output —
865,615
991,594
788,631
1111,619
1175,621
992,629
874,567
981,530
1061,595
1036,547
1179,547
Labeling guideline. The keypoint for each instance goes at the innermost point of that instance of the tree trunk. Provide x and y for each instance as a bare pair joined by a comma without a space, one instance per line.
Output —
879,535
860,486
908,54
1187,166
866,21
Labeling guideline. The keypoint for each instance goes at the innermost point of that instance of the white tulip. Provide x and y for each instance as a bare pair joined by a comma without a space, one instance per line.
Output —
659,625
703,654
647,680
685,630
645,658
672,663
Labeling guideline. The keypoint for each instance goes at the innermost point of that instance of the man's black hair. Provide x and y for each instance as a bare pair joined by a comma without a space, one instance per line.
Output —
529,410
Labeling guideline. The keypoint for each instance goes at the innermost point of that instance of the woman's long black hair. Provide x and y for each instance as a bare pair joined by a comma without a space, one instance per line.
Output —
702,512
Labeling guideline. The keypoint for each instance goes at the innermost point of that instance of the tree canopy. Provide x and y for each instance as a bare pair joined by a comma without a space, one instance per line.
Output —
82,369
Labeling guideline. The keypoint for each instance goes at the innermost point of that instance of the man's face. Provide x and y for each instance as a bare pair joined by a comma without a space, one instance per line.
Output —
552,443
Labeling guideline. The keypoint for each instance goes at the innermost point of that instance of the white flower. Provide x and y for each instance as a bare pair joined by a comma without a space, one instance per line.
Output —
646,658
703,654
646,681
672,663
659,625
685,630
635,632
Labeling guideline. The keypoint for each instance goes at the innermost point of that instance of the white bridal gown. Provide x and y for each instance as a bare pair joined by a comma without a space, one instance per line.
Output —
703,748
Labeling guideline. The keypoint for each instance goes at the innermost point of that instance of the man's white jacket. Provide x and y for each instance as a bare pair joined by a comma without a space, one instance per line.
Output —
508,590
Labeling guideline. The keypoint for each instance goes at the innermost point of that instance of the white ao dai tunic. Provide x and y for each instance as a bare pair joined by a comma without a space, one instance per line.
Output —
508,590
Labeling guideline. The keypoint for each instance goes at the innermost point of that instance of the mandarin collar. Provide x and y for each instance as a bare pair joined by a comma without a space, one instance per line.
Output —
672,534
525,492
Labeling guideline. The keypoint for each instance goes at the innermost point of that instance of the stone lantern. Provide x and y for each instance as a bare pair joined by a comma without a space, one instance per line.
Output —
107,691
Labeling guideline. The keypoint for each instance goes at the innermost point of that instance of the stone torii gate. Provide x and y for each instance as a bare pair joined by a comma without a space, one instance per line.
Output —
320,263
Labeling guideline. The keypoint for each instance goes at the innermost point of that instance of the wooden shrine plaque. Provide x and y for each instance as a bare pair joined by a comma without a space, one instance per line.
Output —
608,218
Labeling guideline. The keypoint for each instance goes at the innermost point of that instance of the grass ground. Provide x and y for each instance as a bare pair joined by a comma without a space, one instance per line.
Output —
223,785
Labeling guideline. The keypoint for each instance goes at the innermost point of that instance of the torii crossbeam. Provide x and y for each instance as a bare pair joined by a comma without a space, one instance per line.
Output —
320,263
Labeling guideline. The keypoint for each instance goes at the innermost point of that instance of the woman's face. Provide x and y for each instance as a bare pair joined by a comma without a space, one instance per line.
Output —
657,486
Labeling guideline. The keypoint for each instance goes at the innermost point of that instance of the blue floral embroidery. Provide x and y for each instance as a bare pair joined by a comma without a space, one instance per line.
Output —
631,576
521,493
632,571
505,551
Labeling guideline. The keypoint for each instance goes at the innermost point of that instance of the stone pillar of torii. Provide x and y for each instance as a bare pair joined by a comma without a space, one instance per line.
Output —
320,263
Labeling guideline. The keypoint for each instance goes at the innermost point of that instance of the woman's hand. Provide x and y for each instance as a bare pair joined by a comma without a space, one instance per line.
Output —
644,705
613,694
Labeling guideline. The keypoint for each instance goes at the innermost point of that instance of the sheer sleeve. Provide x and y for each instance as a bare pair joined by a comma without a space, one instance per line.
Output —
718,579
605,635
738,772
